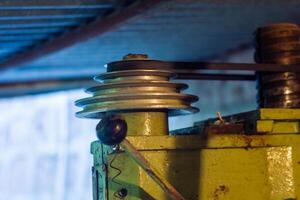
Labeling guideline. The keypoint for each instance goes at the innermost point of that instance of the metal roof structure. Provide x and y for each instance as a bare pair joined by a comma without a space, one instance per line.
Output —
25,24
73,39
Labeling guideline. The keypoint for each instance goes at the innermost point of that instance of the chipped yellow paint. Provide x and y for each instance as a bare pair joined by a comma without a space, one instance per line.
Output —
214,167
285,127
279,113
278,121
270,126
219,167
264,126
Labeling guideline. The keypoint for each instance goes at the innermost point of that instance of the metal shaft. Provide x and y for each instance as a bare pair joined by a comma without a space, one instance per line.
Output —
146,123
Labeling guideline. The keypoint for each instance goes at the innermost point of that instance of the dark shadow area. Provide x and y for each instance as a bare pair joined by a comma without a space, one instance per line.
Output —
185,169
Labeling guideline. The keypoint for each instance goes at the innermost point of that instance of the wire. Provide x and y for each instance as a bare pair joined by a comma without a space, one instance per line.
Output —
119,172
115,168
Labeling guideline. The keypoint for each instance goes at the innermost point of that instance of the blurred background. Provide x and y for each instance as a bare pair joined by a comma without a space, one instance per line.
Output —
45,152
50,50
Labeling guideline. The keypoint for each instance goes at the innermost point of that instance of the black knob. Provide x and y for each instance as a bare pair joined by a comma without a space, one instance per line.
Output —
111,130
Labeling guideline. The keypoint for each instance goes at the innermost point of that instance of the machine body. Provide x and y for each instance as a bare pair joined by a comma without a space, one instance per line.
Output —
253,155
208,165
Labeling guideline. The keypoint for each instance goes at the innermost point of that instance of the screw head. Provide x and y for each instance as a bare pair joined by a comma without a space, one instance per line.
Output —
122,193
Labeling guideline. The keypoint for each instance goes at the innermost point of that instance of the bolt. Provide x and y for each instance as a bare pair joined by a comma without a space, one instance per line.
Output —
103,168
122,193
135,57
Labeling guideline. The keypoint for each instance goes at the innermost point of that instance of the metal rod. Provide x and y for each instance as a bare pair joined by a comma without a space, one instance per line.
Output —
42,86
236,66
152,172
21,88
91,30
188,66
216,77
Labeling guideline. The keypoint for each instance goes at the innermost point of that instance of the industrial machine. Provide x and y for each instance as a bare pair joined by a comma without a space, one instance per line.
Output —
246,156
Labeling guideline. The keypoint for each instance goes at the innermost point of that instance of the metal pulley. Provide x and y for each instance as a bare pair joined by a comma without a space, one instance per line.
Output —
136,90
278,44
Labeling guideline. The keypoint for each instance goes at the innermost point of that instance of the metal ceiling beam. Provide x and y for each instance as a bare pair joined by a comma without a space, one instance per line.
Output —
63,24
14,44
91,30
58,7
35,14
54,4
24,31
43,86
45,17
14,24
23,37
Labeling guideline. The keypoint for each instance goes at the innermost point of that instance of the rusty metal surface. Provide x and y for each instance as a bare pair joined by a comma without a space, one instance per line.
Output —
225,129
241,123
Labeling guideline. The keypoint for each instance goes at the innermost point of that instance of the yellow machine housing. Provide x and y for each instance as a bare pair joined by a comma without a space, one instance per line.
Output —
260,166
